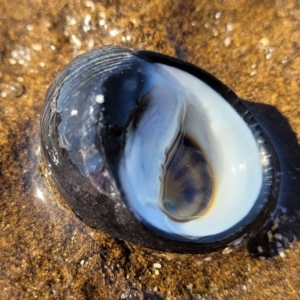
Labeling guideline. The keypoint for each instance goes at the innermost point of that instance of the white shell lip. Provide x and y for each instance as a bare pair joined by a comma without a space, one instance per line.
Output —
231,151
233,155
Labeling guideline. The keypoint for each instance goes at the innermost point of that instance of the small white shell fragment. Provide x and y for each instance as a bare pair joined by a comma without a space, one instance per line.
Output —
227,41
281,252
157,266
76,40
218,15
207,258
269,55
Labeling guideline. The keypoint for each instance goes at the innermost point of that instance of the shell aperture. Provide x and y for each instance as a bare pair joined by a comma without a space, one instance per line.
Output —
207,122
163,142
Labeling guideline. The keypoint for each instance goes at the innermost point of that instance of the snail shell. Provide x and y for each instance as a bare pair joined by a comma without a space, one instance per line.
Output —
157,151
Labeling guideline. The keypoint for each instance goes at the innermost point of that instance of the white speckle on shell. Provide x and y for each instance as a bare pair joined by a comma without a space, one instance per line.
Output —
99,99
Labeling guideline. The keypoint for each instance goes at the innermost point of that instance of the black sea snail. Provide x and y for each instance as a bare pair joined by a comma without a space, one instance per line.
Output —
157,151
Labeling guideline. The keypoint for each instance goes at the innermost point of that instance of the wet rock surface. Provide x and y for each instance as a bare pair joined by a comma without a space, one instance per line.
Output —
46,252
